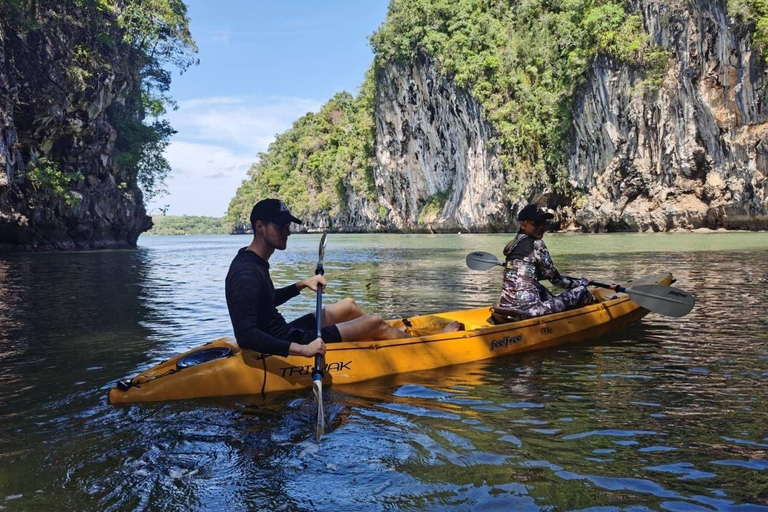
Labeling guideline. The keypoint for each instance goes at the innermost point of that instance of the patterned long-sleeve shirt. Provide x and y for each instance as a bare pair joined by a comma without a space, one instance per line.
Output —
528,262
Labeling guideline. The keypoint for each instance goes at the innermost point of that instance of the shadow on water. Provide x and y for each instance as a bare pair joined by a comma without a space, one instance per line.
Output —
668,414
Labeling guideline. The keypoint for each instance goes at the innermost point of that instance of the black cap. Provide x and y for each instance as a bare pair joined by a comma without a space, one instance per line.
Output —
533,212
272,210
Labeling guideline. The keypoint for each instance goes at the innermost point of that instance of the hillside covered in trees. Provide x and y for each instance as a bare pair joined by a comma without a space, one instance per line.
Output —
188,225
474,102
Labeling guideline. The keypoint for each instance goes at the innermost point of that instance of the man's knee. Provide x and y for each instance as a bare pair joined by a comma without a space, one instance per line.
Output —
376,322
350,304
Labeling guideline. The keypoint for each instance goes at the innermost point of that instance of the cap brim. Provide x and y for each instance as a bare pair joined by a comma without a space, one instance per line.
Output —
285,218
545,215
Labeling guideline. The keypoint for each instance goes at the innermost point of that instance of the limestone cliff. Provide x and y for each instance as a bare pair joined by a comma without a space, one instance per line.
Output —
72,101
438,164
685,154
691,153
436,167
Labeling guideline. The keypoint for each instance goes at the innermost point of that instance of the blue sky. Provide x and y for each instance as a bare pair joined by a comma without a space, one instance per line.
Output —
263,64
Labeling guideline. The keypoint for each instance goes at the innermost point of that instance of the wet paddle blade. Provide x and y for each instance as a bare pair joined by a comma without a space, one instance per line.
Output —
317,387
661,299
479,260
321,251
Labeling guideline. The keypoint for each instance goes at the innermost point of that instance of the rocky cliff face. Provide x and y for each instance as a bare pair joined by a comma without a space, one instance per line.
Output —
438,166
690,153
687,155
48,110
358,215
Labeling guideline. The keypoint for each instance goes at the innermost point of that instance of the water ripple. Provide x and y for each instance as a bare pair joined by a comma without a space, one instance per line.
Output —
668,414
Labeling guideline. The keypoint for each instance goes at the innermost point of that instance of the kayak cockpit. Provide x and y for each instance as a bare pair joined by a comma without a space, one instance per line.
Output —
479,318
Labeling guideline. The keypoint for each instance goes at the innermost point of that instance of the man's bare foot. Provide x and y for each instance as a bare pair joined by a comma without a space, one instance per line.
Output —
453,327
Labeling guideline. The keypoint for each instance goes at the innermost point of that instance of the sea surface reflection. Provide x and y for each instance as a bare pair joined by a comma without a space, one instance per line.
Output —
669,414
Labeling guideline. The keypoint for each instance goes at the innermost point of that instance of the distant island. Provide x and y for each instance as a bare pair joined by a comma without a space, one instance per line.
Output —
189,225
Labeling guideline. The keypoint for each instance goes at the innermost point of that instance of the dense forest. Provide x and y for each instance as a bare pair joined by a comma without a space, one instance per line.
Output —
188,225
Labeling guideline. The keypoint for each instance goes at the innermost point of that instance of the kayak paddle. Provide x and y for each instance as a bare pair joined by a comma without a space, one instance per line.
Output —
658,298
479,260
317,371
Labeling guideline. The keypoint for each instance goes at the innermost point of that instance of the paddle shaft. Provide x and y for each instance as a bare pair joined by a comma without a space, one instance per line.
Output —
632,291
618,288
317,372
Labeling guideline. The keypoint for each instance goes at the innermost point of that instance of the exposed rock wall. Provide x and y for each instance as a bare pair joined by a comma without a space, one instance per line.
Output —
438,166
359,214
692,153
45,112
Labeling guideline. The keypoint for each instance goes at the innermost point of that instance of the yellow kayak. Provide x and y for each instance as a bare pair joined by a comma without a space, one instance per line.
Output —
221,368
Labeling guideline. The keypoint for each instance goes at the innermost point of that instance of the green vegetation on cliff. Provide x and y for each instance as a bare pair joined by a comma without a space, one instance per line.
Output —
98,52
313,165
521,60
188,225
47,177
754,13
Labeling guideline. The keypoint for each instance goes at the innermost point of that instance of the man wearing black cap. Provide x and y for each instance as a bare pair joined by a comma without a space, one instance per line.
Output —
252,299
528,262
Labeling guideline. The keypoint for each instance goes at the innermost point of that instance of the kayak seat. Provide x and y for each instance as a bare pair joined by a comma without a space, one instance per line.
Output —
503,315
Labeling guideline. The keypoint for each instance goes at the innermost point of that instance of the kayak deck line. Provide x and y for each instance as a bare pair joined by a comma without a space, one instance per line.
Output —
246,372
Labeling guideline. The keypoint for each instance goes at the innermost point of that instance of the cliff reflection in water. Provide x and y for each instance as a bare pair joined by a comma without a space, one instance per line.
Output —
65,313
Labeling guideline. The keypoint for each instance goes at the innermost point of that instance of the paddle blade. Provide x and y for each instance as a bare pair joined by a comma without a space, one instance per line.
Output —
661,299
317,387
482,260
321,251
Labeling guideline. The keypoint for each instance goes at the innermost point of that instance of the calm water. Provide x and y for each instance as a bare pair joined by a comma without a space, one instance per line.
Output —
671,414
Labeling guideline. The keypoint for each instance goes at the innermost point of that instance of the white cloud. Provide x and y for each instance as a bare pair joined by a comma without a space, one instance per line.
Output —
217,141
249,122
203,180
204,159
222,36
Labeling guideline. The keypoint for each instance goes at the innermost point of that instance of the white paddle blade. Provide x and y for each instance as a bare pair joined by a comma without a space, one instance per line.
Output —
317,387
479,260
662,299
